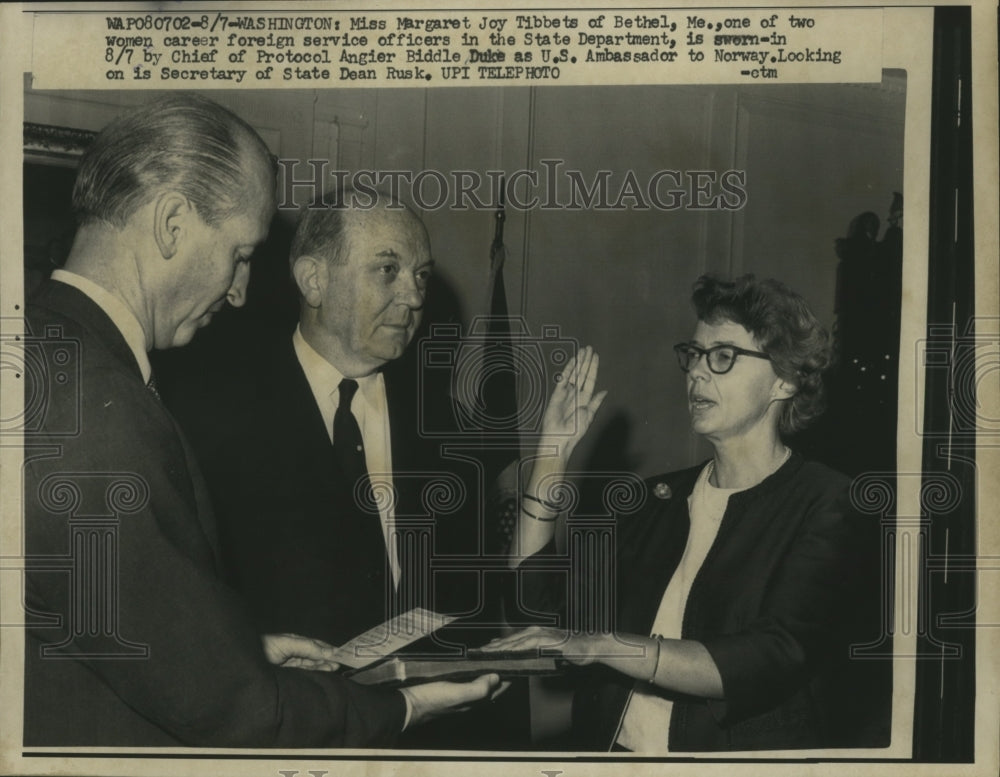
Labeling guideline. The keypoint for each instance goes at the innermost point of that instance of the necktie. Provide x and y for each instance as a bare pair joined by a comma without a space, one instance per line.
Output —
348,445
151,386
365,530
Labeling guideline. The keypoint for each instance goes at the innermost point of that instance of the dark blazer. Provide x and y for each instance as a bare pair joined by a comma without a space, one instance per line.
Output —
293,543
772,603
134,638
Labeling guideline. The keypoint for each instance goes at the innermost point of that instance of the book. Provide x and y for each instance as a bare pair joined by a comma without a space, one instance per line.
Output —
391,637
421,646
401,670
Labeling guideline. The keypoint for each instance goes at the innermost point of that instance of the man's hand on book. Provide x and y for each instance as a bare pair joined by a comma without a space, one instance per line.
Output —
291,650
432,700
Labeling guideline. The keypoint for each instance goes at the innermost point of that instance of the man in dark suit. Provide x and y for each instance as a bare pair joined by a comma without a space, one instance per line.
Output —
327,542
317,543
133,638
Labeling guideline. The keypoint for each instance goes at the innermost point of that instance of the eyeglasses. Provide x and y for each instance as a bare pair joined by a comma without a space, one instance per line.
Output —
720,358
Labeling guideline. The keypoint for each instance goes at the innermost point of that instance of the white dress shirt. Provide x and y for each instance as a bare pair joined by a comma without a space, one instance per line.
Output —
371,411
123,318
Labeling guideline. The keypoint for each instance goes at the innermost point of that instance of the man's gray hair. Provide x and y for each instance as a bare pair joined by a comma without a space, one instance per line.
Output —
183,142
323,227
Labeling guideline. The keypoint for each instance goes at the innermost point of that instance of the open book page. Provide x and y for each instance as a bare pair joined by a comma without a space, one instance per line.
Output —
393,635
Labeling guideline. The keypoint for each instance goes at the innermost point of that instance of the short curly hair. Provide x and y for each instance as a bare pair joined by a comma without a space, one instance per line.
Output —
785,329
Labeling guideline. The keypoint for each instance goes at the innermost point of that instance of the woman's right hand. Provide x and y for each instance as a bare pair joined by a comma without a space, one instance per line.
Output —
567,417
573,404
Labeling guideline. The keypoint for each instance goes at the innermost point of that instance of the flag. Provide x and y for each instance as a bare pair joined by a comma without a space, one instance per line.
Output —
498,398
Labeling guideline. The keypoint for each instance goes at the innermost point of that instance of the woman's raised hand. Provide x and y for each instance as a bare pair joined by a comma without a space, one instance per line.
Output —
567,417
573,403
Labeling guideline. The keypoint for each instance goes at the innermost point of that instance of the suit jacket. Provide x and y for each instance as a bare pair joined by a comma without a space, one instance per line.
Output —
773,604
293,543
134,639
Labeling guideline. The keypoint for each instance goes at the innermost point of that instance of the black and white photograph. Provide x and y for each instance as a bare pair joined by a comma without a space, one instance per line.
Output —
622,396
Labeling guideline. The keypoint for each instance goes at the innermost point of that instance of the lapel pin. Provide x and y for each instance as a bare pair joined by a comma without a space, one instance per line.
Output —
662,491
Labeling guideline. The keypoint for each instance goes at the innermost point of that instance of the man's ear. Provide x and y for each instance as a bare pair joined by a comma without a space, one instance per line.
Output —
310,273
170,214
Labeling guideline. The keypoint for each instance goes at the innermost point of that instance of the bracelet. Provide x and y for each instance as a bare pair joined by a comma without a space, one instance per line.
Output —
530,514
547,505
656,666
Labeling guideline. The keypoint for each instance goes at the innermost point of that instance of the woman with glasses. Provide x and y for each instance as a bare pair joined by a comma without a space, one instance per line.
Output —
732,580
